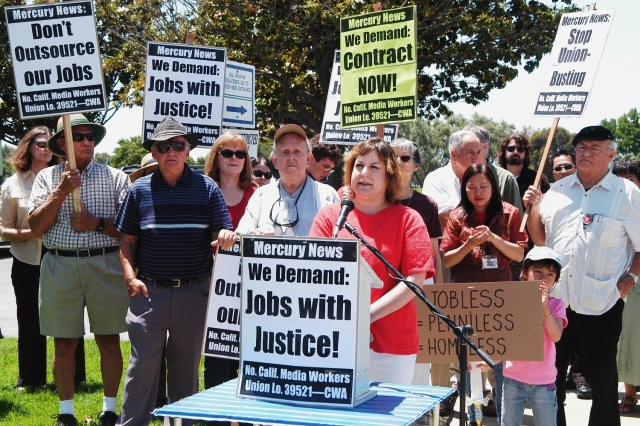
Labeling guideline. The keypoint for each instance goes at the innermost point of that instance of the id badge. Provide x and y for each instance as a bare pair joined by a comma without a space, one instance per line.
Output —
489,262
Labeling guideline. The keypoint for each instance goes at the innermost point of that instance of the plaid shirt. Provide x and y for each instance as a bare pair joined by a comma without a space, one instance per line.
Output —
103,190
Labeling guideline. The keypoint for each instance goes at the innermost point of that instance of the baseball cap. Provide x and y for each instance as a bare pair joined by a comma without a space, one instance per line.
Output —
289,128
543,253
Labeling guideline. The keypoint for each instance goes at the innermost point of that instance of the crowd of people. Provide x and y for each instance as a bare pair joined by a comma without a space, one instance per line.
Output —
138,256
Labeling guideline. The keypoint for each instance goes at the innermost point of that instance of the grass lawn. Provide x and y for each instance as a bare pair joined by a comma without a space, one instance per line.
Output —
35,408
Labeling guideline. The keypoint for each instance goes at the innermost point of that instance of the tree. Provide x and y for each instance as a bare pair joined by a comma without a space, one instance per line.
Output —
466,48
102,158
129,151
538,139
626,129
7,167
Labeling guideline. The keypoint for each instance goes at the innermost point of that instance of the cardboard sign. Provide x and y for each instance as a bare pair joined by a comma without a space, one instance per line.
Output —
378,67
222,330
252,137
506,319
187,83
56,59
301,308
575,57
239,95
331,130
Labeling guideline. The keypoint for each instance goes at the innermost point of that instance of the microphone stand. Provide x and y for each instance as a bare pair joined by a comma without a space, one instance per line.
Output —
461,332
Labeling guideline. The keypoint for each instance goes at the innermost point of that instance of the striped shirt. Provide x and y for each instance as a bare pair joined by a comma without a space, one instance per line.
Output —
103,190
174,224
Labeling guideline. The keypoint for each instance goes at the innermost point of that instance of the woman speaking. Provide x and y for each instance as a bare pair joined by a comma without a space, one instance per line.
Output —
372,180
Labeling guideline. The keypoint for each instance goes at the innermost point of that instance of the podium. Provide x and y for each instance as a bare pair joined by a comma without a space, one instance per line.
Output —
305,317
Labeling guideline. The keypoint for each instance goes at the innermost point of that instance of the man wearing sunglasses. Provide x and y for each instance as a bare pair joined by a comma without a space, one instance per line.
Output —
82,266
289,206
168,221
514,154
563,164
323,159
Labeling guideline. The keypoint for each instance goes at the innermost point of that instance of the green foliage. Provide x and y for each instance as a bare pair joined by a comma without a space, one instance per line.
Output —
432,137
200,160
7,167
538,139
129,151
102,158
627,132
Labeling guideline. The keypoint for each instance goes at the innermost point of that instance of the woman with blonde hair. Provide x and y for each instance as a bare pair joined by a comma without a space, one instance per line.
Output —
374,181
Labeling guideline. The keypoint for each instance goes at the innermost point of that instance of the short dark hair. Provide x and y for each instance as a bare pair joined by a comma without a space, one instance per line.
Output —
541,264
495,202
627,167
321,151
562,153
521,140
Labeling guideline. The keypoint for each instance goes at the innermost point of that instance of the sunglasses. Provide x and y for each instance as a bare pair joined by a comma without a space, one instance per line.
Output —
79,137
40,144
227,153
563,167
405,158
163,147
260,173
520,148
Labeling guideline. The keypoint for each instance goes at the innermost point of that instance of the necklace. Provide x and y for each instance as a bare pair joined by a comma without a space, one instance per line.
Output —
408,202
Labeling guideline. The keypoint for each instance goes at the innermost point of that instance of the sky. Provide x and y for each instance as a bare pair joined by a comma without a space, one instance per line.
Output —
612,94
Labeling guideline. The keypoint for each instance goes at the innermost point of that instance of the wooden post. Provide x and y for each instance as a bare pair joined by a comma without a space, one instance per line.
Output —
380,127
71,158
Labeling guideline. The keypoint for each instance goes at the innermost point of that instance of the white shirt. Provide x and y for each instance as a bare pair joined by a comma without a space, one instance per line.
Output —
272,201
595,255
444,187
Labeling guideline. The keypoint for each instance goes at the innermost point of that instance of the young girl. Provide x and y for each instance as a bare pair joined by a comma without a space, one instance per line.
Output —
534,381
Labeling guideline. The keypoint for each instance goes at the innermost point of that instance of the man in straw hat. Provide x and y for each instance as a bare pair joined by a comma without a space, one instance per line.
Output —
81,267
168,221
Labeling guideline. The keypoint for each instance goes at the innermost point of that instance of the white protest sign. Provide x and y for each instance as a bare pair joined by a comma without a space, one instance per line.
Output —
575,57
56,59
331,131
252,137
299,320
239,96
222,330
187,83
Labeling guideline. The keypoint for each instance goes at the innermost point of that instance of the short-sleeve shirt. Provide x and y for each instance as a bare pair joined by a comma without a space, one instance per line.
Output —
539,372
428,209
174,224
596,233
103,190
400,234
506,225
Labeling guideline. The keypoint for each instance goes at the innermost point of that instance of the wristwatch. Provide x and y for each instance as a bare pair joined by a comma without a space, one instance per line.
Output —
634,277
101,226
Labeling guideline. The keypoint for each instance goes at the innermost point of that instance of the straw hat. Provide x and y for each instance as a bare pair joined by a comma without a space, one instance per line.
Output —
167,129
148,163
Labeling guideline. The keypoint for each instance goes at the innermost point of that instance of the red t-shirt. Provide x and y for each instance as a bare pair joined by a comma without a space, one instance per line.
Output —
401,236
236,212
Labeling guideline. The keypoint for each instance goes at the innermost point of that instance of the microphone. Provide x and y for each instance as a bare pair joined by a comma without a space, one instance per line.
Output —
347,206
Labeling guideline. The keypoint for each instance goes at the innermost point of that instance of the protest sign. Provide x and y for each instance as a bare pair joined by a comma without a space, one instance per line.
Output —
304,321
187,83
331,130
222,331
56,59
378,67
506,318
573,64
252,137
239,96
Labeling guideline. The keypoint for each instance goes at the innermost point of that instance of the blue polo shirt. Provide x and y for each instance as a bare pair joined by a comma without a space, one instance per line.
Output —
174,224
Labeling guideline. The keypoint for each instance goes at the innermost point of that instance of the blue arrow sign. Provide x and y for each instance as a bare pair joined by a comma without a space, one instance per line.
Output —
241,109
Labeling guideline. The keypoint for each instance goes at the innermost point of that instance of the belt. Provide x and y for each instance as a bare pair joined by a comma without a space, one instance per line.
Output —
175,282
82,253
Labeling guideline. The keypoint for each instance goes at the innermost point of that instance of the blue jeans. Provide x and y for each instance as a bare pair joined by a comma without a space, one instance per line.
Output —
542,398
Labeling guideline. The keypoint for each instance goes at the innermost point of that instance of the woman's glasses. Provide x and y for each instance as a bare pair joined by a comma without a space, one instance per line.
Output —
562,167
227,153
260,173
163,147
520,148
41,144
